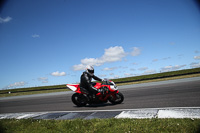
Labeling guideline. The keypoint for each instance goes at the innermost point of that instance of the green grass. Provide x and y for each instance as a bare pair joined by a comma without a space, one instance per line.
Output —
159,75
100,126
160,79
33,90
131,80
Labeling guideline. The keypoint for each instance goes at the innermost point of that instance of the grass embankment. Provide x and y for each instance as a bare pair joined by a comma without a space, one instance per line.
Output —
165,75
121,81
100,125
33,90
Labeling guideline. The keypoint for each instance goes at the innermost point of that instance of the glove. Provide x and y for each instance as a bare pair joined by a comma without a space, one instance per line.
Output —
100,90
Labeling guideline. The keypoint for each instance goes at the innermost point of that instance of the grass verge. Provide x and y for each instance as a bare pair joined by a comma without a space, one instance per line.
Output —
162,79
188,73
100,125
32,92
170,74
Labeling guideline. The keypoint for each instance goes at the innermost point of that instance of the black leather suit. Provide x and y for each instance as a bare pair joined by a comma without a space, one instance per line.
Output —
87,84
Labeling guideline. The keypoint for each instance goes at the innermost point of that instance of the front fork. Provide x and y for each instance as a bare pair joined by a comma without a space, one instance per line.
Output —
112,95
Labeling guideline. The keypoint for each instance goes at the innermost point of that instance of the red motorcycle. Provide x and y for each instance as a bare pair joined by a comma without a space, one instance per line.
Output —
109,93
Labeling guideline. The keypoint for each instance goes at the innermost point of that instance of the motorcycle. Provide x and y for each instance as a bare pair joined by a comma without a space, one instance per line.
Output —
109,92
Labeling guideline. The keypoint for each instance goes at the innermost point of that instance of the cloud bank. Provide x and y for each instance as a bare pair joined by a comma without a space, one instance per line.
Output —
5,20
14,85
197,57
57,73
35,36
43,79
111,54
171,68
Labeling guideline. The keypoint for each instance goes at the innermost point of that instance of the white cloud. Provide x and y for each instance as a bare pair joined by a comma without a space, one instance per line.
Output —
102,75
176,67
128,74
92,61
197,57
195,65
167,68
171,68
79,67
5,20
143,68
43,79
149,71
35,36
22,83
112,74
114,77
57,73
109,69
111,54
136,51
16,84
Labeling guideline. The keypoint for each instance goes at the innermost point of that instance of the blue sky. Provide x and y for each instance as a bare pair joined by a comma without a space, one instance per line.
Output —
49,42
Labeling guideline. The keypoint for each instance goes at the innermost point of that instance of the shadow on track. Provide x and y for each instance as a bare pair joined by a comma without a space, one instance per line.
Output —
98,105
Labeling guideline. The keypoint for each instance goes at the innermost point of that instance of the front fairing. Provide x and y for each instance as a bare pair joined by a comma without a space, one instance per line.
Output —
97,85
113,86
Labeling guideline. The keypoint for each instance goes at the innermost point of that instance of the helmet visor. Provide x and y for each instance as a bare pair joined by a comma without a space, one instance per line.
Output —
91,71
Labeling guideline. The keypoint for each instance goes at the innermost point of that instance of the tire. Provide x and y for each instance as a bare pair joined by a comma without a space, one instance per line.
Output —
119,98
79,99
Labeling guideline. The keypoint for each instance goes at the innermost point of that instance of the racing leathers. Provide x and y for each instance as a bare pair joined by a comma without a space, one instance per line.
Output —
86,83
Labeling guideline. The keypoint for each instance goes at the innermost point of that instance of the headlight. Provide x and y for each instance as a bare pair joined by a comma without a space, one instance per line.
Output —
114,87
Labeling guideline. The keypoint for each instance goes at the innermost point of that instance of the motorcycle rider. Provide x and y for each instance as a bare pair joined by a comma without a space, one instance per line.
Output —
85,81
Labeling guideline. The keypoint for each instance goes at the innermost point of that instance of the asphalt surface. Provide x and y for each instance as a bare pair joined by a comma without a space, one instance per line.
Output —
173,93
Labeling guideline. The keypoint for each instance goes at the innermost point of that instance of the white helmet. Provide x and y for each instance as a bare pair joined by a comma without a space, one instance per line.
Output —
90,70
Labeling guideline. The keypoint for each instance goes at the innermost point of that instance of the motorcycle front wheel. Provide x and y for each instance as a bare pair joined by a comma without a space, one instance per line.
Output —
117,99
79,99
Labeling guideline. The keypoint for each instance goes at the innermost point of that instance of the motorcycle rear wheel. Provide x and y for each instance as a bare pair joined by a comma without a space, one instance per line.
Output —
119,98
79,99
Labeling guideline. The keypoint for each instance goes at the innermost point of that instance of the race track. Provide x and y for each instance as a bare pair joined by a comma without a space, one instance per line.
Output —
173,93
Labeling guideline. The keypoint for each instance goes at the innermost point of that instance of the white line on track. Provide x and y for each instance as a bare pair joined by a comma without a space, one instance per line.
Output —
141,113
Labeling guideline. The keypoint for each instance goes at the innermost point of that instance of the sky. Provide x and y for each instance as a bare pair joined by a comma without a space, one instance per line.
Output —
50,42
